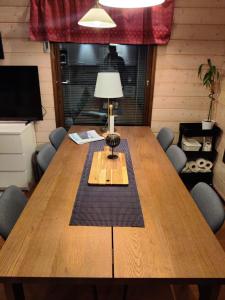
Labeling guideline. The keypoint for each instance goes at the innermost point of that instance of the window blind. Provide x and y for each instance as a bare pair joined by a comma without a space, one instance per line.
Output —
80,64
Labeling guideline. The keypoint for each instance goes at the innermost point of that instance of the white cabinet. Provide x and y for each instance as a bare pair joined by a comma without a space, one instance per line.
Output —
17,144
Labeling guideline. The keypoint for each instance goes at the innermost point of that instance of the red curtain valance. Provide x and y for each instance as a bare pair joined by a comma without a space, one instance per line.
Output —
56,21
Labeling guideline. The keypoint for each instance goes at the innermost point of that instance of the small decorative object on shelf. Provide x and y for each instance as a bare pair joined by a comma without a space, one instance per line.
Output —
207,144
190,144
112,140
200,165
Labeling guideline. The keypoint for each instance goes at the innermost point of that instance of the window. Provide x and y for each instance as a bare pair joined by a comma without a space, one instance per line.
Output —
79,66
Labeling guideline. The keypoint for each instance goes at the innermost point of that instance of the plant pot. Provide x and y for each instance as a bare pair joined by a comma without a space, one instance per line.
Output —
207,125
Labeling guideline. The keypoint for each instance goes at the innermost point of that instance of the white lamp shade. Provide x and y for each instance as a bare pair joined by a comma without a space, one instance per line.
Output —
130,3
108,85
97,17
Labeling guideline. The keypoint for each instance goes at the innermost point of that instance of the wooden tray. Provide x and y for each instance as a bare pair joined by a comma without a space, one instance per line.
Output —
105,171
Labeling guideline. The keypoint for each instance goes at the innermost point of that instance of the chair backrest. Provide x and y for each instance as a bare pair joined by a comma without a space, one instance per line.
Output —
12,203
45,156
165,137
209,204
177,157
56,136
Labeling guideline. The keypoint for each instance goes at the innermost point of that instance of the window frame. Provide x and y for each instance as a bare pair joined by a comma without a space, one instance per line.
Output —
58,93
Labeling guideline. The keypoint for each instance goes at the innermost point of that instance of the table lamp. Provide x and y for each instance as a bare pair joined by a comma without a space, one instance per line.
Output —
108,86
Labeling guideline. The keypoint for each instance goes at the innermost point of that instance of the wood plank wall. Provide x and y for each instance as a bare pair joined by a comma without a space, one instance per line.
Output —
19,50
219,178
198,33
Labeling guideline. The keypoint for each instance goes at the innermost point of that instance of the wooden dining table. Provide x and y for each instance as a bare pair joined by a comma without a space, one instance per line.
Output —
175,246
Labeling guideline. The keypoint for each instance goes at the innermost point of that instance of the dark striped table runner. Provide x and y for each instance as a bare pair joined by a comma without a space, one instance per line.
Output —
107,205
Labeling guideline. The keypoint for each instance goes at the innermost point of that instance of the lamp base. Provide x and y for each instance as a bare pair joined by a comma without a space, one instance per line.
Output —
104,129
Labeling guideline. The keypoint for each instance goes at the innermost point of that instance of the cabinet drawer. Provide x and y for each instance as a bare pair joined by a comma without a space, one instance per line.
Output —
12,162
11,143
19,179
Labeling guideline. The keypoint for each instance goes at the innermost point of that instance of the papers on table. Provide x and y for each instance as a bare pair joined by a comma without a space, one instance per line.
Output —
85,137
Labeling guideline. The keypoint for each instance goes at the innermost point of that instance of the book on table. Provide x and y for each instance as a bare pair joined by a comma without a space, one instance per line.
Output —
85,137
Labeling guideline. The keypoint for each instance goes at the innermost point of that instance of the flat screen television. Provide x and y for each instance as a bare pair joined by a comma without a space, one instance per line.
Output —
20,97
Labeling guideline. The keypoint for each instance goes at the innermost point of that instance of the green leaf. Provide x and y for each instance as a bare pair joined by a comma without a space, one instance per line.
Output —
210,76
206,79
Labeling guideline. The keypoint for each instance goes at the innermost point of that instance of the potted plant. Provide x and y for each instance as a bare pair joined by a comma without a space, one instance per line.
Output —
210,76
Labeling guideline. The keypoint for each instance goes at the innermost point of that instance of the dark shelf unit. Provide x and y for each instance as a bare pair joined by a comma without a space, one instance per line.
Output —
195,130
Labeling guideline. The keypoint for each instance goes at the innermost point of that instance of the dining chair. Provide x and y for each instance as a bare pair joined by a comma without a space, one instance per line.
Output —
210,205
12,203
56,137
45,156
177,157
165,137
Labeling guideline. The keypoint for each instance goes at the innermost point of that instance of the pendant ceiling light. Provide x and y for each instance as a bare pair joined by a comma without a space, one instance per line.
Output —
97,17
130,3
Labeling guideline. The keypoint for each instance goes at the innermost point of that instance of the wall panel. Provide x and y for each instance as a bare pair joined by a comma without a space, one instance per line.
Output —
22,46
187,103
200,3
18,59
219,180
192,47
201,15
14,3
185,62
14,30
198,33
13,14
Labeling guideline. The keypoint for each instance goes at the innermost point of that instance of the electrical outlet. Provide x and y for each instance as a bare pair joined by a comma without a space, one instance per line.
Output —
224,157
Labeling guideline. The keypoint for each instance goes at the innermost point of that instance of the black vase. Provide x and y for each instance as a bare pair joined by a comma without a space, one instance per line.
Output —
112,140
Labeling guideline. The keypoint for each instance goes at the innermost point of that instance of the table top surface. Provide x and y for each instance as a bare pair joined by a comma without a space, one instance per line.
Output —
176,242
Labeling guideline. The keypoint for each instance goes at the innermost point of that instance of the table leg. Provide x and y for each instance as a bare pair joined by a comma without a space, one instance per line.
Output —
14,291
125,289
95,292
209,291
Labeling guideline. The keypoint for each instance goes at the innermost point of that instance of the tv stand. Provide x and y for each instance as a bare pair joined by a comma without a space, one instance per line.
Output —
17,144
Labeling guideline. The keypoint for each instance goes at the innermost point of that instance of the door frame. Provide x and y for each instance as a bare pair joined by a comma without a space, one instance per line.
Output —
57,86
58,93
150,83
